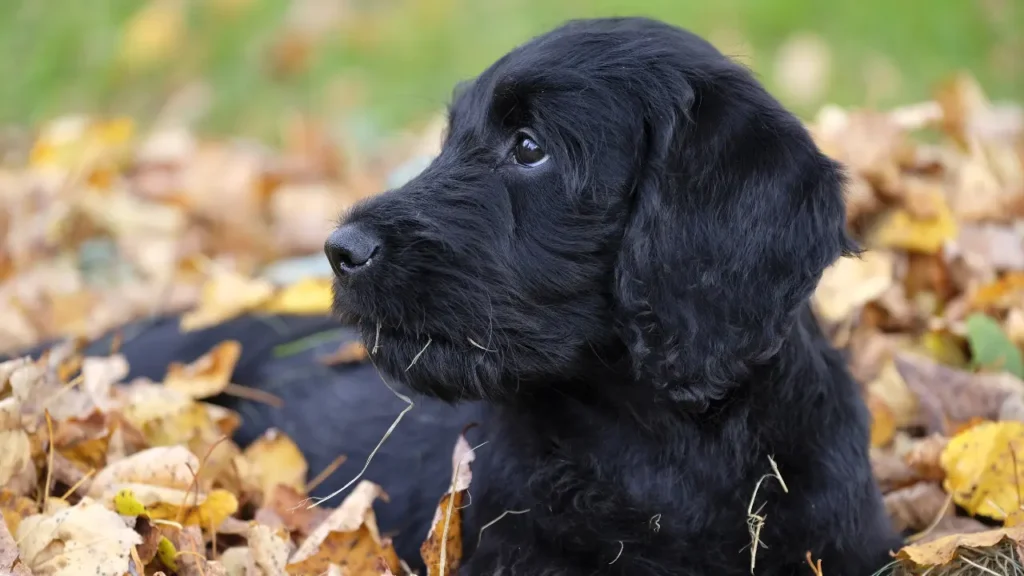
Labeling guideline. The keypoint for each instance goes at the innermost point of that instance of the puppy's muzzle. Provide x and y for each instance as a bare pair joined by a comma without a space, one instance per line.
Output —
351,249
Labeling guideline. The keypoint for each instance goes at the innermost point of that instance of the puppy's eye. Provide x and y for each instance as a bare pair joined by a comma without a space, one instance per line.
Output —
527,152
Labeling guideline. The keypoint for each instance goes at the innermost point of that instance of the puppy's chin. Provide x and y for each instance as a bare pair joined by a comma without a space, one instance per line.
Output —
433,366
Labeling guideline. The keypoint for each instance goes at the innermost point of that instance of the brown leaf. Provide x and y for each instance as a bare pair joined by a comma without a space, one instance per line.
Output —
14,508
942,551
353,523
358,553
948,396
924,457
442,550
291,506
916,507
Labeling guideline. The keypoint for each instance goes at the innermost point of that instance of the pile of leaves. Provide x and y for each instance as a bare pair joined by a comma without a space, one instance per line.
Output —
101,225
110,478
932,318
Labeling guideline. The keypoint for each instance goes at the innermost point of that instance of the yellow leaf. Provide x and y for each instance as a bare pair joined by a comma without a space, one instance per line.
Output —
898,229
275,459
208,375
982,468
943,550
883,423
269,549
210,512
851,283
153,34
308,296
15,448
226,295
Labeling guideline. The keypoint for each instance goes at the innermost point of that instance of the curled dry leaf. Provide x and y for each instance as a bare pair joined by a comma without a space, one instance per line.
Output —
84,539
348,537
442,551
207,376
941,551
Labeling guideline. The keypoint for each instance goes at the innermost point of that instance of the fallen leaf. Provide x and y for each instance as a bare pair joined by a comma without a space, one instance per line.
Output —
14,507
358,553
10,563
354,512
898,229
924,457
275,459
991,348
347,353
83,539
883,423
442,550
17,471
851,283
947,396
982,469
942,551
917,507
226,295
290,506
269,550
208,375
891,389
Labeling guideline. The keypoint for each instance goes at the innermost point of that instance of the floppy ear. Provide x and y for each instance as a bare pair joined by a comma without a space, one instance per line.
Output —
735,214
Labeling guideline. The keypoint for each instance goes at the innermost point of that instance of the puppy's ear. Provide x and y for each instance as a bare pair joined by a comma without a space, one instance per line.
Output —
735,214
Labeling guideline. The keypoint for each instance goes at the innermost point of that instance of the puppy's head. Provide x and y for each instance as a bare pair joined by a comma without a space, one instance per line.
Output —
615,193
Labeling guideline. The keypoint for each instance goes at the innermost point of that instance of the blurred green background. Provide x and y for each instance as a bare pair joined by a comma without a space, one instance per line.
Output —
376,65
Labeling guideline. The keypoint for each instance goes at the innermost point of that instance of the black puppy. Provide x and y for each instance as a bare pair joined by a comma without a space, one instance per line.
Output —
615,251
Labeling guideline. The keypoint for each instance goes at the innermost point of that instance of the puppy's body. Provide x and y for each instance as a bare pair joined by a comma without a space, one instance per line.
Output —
617,484
615,251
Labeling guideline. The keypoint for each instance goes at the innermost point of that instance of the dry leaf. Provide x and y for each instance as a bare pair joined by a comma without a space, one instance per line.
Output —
942,551
275,459
208,375
14,507
916,507
982,469
355,512
890,389
851,283
17,472
83,539
307,296
899,229
269,550
347,353
924,456
948,396
290,507
226,295
442,550
883,423
10,563
358,553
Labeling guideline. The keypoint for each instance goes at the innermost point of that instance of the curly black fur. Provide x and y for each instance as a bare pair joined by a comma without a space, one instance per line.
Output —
634,311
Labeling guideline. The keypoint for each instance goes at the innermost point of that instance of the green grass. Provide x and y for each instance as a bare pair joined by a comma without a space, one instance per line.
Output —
58,56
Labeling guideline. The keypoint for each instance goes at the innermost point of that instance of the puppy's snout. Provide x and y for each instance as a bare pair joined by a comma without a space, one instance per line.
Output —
351,248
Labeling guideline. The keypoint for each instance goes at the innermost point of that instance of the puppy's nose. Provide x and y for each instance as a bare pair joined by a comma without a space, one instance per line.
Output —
350,248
